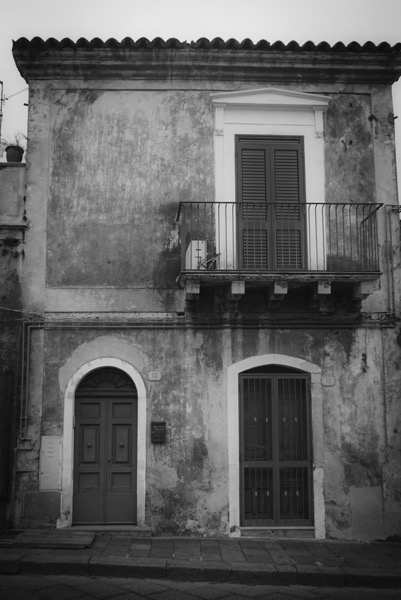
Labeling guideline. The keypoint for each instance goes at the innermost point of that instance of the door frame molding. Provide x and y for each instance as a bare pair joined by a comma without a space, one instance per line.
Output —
67,467
233,372
270,111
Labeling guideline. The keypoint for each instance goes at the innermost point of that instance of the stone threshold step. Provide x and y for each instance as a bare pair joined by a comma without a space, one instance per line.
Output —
278,532
131,530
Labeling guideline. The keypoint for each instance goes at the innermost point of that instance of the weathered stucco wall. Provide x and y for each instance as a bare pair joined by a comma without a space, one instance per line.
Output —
349,158
102,239
12,193
187,478
121,162
104,194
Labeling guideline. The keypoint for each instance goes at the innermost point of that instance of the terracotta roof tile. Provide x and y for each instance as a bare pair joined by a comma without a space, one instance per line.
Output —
204,43
216,60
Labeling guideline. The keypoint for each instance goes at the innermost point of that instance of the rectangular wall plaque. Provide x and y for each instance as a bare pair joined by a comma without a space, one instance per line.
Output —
158,432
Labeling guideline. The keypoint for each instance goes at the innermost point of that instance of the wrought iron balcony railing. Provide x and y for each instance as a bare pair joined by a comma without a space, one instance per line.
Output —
280,238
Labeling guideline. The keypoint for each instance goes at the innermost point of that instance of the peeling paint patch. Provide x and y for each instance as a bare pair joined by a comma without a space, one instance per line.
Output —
162,477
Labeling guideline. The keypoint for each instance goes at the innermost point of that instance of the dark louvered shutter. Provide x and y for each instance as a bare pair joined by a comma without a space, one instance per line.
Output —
253,209
287,195
270,195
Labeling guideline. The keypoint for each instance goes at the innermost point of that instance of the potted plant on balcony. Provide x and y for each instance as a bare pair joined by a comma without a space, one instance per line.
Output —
15,148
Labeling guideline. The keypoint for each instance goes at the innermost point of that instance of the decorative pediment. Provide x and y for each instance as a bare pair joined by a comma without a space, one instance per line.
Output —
271,97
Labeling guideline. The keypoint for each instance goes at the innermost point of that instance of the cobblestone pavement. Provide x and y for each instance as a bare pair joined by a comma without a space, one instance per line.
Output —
64,587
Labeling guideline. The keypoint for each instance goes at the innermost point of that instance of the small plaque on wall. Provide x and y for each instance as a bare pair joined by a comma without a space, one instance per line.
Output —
328,380
154,375
158,432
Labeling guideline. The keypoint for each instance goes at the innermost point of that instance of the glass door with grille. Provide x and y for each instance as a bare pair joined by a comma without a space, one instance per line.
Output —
275,450
271,203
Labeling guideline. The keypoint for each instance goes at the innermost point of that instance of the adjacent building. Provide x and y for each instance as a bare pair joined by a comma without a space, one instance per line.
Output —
211,289
12,228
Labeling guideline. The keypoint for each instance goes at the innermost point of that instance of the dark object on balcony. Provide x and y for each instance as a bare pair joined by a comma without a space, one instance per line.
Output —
14,154
211,263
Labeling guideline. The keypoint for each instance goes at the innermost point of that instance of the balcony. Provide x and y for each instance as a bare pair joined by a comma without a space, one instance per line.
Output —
278,246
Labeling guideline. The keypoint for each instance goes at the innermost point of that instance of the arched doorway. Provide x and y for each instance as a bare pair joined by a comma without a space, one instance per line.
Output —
275,447
317,438
105,448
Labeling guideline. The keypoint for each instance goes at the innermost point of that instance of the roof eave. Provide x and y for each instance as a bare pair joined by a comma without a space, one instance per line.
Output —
367,64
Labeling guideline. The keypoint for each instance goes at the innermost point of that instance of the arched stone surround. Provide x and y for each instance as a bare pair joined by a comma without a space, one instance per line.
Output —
314,371
67,474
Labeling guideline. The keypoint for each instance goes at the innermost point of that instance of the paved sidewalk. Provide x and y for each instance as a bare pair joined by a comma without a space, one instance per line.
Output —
247,561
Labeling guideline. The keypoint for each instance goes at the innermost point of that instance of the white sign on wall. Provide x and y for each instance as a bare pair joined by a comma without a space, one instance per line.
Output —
50,463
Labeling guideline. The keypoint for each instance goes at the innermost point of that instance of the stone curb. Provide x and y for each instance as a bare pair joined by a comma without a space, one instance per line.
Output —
228,572
10,563
116,566
53,564
200,571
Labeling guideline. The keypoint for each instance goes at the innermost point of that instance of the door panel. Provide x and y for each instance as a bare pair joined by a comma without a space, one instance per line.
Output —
292,416
90,410
89,459
121,410
121,498
257,420
275,452
258,494
294,496
105,451
121,444
90,444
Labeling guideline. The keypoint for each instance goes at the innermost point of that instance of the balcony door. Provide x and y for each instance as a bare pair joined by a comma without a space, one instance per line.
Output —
271,197
275,450
105,449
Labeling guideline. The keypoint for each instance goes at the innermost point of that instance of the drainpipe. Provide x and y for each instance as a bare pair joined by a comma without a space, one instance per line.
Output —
385,432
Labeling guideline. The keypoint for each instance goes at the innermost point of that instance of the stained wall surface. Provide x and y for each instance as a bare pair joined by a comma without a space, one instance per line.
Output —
104,252
187,478
120,163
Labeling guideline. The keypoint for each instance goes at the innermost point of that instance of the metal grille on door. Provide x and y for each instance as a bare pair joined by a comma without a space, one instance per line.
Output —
275,450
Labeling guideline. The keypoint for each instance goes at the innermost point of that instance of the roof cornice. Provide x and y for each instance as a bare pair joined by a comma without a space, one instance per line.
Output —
213,60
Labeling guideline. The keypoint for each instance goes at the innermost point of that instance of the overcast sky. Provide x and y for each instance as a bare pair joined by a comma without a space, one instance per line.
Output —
285,20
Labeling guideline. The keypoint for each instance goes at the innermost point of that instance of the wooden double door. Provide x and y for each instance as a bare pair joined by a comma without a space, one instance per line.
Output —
275,450
105,449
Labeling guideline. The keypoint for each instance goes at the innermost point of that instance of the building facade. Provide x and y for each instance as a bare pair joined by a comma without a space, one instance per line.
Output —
212,289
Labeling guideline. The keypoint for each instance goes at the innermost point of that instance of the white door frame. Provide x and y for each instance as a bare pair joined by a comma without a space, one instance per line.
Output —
233,372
